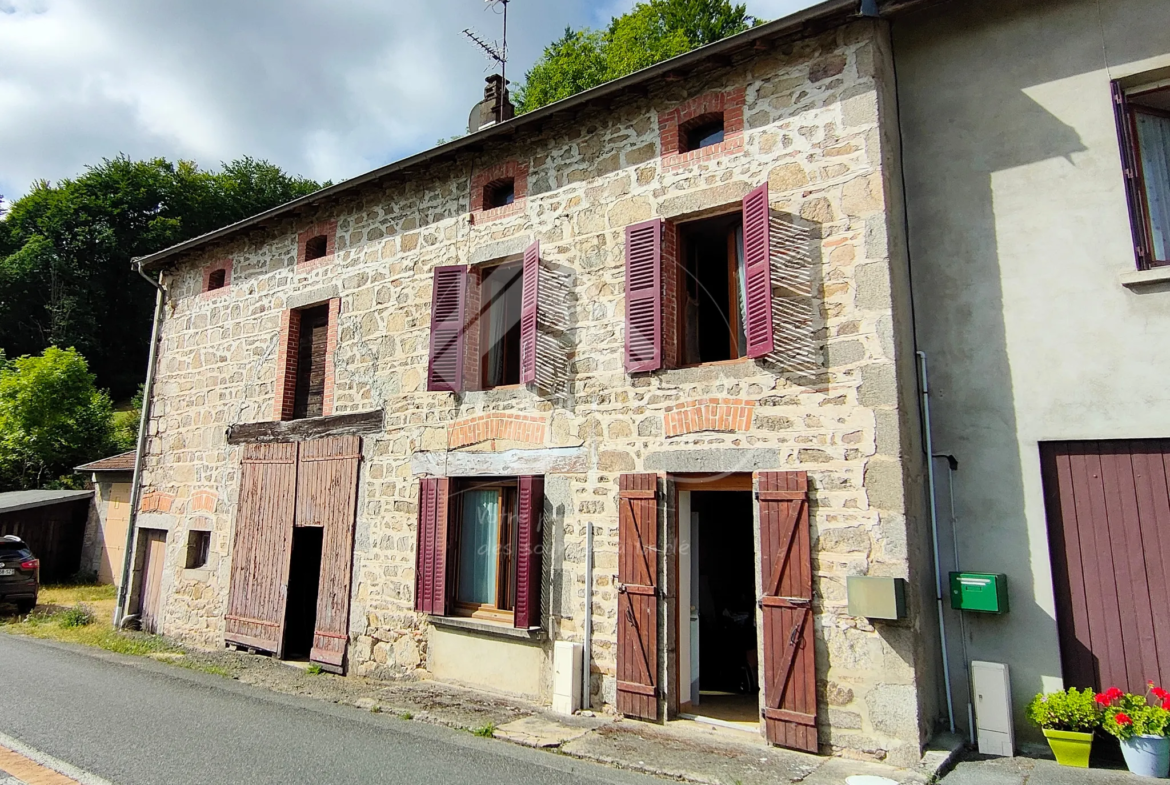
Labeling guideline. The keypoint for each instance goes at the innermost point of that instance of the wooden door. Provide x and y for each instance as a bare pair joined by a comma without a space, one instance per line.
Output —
1108,505
637,654
262,547
790,678
154,553
327,477
114,533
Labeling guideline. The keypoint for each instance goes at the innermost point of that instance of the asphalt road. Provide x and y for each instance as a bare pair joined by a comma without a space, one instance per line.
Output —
133,721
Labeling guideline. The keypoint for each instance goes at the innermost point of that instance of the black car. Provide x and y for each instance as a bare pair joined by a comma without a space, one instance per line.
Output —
20,573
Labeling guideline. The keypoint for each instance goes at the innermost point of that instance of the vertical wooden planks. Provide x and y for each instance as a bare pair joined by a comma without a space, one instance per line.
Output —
790,680
154,543
757,257
529,536
644,296
637,654
430,574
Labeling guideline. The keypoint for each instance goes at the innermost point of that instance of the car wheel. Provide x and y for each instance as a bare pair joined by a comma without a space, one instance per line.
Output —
24,607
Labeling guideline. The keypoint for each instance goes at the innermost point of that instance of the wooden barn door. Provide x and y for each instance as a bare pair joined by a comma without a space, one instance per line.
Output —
262,547
327,497
154,555
790,678
1108,505
637,654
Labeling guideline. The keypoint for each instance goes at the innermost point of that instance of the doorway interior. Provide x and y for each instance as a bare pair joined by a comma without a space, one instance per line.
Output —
718,646
304,578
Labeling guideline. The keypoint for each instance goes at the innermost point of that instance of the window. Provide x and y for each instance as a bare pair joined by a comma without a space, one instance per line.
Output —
711,290
198,548
316,244
501,291
703,132
499,193
312,349
217,279
316,247
485,536
1144,115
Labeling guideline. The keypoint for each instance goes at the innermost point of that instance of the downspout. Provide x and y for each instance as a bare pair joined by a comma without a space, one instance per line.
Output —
587,653
136,483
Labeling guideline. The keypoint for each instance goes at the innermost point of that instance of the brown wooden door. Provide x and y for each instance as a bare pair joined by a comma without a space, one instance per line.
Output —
637,654
262,547
327,497
1108,505
790,677
154,554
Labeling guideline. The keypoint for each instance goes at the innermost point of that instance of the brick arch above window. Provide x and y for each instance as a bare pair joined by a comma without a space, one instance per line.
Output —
698,111
490,181
217,278
496,426
709,414
312,250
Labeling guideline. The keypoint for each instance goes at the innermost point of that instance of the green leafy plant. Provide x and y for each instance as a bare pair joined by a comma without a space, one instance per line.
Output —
314,669
406,715
80,615
485,731
1069,710
1128,715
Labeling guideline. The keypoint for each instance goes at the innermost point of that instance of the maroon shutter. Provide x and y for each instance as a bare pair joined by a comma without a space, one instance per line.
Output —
529,536
446,355
790,677
528,313
757,259
430,576
637,654
644,296
1127,141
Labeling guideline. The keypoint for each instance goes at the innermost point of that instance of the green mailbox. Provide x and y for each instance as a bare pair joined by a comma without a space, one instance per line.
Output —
982,592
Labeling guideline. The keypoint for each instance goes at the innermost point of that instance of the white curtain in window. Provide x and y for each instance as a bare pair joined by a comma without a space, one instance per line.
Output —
497,328
478,546
1154,144
741,291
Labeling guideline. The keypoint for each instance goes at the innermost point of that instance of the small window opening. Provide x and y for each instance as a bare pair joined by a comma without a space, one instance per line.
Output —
485,532
499,193
216,280
198,548
704,133
501,291
309,397
1150,117
315,247
711,290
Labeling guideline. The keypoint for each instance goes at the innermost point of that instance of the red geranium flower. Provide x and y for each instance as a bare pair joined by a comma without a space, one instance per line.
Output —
1113,693
1121,718
1160,693
1101,698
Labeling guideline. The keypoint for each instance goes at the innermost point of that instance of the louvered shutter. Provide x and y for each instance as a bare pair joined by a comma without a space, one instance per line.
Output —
757,258
529,536
430,575
637,654
1133,183
790,677
529,300
447,306
644,296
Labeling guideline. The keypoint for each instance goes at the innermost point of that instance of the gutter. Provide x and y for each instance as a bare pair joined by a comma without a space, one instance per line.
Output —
828,9
140,450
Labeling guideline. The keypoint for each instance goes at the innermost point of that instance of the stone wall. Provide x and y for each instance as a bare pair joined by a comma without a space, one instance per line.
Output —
816,130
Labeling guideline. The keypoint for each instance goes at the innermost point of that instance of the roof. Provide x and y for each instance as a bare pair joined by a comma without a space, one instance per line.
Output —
123,462
25,500
796,23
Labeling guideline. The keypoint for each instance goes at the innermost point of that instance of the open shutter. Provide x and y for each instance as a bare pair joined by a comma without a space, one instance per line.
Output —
327,479
1133,183
447,305
790,677
757,259
528,313
529,535
637,655
644,296
430,577
262,547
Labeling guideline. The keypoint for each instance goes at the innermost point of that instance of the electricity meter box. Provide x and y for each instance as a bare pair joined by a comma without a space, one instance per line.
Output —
980,592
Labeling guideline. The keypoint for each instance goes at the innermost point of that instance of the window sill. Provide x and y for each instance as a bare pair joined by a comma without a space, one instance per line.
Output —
1135,279
465,624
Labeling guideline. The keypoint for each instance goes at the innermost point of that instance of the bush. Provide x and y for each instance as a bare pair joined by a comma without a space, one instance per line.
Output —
80,615
1128,715
1070,710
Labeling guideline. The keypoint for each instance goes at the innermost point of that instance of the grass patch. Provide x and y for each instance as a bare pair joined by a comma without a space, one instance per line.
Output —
80,615
406,715
485,731
204,667
314,669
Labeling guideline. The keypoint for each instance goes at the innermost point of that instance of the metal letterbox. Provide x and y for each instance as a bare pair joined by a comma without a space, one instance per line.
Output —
981,592
876,597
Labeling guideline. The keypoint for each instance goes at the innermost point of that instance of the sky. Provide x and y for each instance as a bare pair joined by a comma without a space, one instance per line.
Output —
327,90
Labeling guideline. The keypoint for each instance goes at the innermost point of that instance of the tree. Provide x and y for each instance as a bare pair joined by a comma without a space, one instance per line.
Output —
653,31
52,418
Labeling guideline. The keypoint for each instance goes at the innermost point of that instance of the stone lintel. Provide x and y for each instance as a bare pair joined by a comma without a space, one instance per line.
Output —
313,296
554,460
354,423
735,459
501,249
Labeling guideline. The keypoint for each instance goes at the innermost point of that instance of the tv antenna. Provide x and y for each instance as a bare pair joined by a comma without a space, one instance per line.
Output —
496,52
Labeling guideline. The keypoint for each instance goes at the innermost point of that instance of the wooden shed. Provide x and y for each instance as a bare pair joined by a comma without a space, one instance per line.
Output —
53,525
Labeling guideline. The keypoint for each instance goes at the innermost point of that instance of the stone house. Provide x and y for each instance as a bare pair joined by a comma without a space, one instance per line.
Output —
634,371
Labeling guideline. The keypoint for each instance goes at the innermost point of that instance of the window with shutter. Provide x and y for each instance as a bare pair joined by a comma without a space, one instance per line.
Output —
644,296
430,587
529,312
529,534
1143,131
757,272
447,326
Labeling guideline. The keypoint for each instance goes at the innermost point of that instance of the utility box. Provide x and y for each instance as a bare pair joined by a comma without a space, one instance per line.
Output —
993,708
566,677
981,592
875,597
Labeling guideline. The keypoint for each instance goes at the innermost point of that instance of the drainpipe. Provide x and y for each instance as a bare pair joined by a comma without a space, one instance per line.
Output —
136,483
587,653
938,582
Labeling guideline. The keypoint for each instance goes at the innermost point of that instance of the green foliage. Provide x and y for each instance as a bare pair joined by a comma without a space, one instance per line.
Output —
126,423
314,669
79,615
65,252
406,715
52,418
485,731
1071,710
653,31
1128,715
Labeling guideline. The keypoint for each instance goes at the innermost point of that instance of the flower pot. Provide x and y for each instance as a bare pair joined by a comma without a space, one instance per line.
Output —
1071,748
1147,756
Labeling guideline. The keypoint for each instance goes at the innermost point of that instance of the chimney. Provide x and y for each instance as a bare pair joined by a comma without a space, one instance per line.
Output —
496,106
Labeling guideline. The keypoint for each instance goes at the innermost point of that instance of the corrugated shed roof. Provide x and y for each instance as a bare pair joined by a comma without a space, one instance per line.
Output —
115,463
24,500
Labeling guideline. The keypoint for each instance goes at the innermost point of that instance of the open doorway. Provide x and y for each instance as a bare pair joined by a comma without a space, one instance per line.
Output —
720,666
304,578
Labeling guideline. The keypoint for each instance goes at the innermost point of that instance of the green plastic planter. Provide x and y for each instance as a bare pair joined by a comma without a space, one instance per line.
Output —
1071,748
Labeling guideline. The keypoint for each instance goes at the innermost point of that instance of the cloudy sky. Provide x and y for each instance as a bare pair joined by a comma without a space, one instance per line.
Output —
324,88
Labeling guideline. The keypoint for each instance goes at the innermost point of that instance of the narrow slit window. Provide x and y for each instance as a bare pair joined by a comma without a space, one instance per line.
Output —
312,347
316,247
502,293
711,292
198,549
704,132
499,193
217,279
